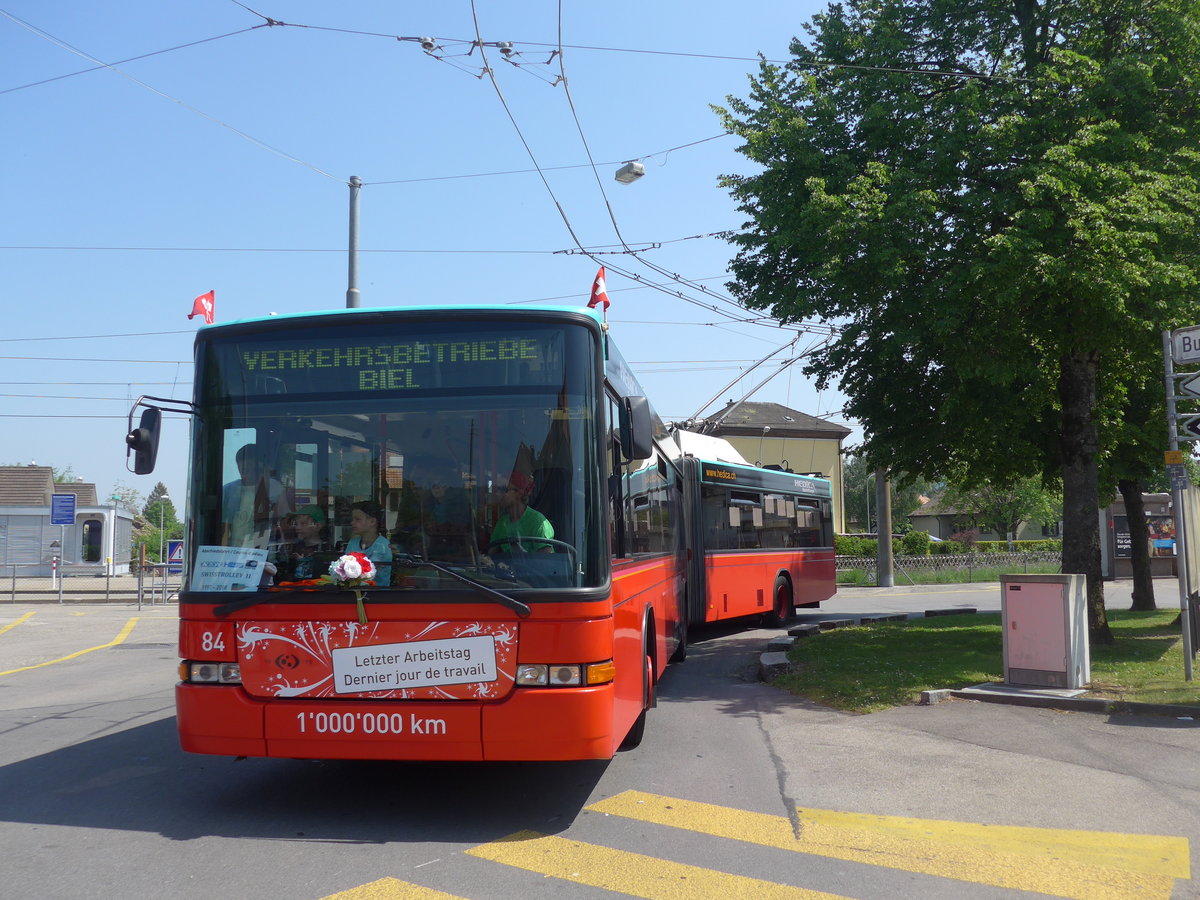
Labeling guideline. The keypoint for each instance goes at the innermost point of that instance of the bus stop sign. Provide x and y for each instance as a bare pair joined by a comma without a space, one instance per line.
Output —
1185,344
62,509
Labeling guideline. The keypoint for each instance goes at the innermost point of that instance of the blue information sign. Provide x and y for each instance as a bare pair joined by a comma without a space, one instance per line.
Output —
174,557
62,509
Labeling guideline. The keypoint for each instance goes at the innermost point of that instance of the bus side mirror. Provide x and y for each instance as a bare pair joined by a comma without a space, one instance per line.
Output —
143,441
637,429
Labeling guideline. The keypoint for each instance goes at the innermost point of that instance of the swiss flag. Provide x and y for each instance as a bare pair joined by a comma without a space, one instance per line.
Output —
204,306
599,291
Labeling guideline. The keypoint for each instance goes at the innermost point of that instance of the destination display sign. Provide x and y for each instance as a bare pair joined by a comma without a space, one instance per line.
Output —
718,473
304,362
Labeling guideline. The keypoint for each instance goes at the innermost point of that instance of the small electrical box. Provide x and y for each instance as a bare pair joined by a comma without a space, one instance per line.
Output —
1045,630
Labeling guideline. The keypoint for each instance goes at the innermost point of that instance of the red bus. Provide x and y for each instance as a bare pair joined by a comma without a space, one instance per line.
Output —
522,505
478,642
765,539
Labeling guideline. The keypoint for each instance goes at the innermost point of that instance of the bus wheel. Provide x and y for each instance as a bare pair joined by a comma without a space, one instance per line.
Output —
634,737
680,653
784,606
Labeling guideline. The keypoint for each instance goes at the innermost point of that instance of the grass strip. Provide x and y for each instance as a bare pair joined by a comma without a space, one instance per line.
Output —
868,668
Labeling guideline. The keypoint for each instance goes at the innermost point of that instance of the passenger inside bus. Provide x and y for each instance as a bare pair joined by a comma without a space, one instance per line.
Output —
365,519
434,519
309,526
518,521
254,506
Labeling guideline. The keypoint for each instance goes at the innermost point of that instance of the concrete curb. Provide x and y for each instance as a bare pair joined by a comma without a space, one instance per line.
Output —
1016,696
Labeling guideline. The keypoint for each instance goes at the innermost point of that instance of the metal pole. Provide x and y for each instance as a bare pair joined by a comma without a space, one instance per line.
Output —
352,294
1177,503
162,509
60,578
883,529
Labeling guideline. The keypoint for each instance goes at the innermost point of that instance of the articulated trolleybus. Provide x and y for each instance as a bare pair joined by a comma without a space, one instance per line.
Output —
521,505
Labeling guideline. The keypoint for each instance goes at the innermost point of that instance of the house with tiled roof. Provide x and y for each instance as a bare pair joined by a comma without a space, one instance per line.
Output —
941,520
97,540
771,434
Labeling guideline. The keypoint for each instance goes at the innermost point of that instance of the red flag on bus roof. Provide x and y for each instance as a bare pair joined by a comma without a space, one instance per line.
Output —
599,291
204,306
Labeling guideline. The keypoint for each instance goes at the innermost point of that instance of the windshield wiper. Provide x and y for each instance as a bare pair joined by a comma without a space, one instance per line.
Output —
416,562
410,562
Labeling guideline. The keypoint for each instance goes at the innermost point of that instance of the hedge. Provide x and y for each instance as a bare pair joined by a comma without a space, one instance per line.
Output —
917,543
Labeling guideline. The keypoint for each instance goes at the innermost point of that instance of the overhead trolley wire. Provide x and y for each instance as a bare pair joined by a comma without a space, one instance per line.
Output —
45,35
121,62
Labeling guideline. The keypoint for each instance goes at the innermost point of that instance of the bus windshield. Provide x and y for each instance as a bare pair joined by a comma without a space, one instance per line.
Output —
464,447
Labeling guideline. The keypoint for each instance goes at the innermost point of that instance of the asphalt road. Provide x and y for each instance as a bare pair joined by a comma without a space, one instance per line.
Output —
737,791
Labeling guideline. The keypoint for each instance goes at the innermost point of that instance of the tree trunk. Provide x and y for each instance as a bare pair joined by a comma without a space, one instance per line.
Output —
1081,486
1139,538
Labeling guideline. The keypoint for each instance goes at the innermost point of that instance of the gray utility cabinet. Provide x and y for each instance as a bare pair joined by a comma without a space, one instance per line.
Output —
1045,630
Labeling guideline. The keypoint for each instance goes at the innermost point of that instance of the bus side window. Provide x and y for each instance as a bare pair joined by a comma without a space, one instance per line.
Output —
616,492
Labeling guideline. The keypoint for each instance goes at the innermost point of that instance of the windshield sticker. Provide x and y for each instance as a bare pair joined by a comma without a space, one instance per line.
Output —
228,568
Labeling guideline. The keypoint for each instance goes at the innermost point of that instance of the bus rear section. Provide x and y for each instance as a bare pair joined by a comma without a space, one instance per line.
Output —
761,539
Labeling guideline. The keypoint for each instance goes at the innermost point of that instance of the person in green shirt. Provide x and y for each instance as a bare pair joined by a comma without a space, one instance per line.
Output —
519,520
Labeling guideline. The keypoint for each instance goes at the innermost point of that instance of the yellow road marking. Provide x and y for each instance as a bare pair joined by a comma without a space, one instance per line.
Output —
630,873
11,625
1089,865
391,889
117,640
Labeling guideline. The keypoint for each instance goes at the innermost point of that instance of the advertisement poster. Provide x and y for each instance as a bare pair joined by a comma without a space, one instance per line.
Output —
1162,536
228,569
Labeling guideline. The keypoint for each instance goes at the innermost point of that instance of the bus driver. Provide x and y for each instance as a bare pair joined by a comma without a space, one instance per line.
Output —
518,520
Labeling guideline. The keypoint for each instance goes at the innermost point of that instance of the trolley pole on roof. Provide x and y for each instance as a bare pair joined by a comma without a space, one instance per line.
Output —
352,294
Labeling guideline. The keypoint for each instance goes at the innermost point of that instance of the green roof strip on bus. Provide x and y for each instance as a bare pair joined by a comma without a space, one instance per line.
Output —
368,310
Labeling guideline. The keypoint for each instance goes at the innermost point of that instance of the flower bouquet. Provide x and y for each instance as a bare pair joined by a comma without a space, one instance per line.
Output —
354,571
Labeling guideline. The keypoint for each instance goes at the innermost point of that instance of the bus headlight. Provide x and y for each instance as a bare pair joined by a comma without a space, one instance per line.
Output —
210,673
564,674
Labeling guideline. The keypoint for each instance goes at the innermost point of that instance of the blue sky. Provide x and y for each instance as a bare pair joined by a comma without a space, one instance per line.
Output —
224,166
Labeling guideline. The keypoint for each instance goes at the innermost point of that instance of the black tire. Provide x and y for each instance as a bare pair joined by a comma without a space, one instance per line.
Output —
680,653
783,605
634,736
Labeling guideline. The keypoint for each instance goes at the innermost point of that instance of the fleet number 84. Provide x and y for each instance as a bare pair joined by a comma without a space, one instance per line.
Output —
212,640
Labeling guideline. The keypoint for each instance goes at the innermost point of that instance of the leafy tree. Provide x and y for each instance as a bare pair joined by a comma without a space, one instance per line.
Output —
1004,507
998,199
858,494
160,498
127,498
159,523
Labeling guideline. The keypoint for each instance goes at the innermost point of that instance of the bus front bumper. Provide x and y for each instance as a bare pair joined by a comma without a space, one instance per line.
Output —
531,724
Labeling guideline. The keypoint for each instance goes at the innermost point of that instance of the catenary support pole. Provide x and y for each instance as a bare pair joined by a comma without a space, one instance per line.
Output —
884,576
352,294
